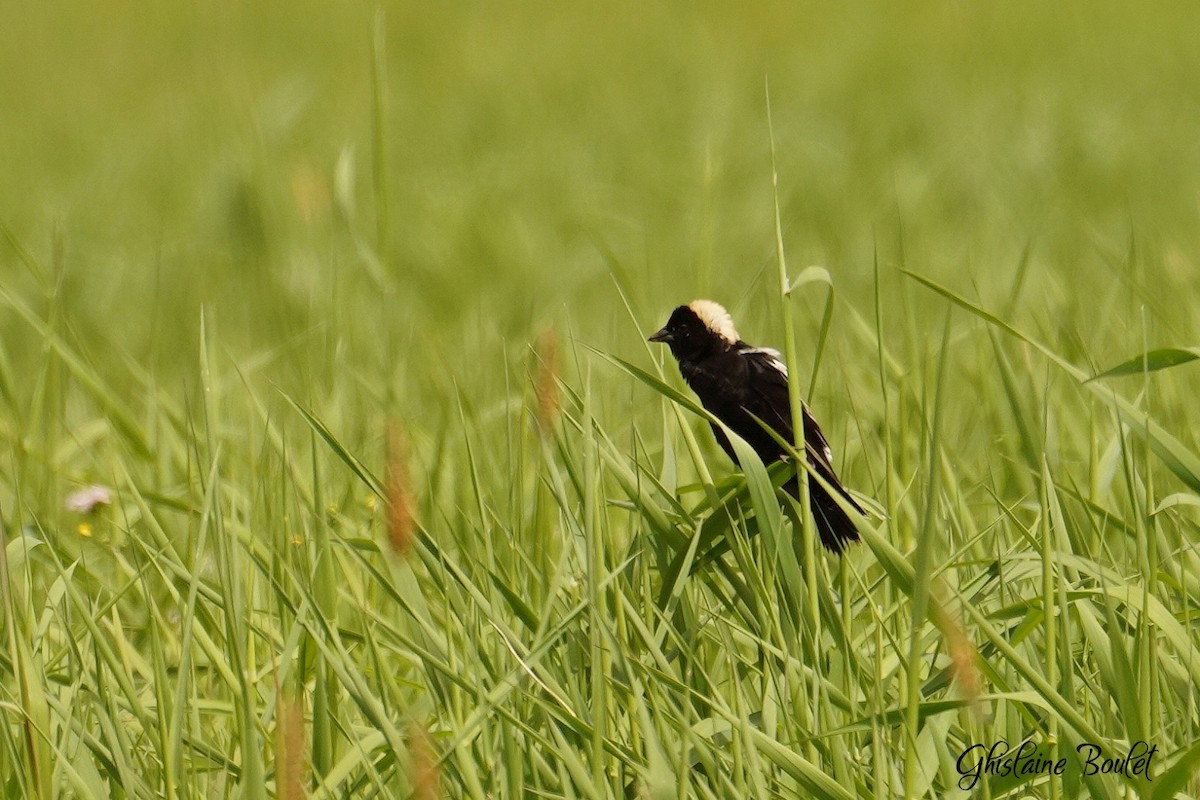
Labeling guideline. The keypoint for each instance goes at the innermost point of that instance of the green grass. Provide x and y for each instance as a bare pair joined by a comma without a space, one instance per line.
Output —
247,252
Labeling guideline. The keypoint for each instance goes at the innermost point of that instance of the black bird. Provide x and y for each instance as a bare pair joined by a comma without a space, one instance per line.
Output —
736,383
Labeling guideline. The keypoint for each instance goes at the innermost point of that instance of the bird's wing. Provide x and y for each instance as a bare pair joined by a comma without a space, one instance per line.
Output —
769,401
767,389
769,381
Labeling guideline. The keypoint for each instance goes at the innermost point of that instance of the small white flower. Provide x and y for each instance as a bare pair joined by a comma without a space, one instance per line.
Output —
81,501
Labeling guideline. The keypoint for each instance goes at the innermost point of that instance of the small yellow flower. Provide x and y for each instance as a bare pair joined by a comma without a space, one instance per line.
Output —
84,529
370,502
297,540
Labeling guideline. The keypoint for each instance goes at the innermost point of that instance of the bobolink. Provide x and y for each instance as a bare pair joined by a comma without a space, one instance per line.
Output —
737,383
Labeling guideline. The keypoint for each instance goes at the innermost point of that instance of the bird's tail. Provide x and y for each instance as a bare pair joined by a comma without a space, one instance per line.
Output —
834,526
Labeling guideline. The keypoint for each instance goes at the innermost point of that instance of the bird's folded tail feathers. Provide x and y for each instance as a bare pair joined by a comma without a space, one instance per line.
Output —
835,528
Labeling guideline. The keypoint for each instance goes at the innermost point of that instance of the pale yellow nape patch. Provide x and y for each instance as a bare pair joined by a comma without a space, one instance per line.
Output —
715,318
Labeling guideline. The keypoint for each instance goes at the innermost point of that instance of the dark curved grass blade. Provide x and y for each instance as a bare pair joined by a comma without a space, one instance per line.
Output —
665,389
1150,361
348,458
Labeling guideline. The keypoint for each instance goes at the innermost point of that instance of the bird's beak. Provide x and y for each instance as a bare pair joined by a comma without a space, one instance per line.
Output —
662,336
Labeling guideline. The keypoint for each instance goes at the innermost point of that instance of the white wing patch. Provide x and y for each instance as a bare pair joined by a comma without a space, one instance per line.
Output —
776,361
715,318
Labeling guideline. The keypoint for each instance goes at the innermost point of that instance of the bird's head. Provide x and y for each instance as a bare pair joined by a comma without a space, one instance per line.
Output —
697,329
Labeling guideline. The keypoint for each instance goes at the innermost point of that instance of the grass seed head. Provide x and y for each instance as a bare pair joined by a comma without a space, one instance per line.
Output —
310,192
289,748
545,378
964,658
401,506
425,778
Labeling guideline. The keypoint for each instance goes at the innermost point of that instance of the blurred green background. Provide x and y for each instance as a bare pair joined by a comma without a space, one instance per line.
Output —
378,209
161,157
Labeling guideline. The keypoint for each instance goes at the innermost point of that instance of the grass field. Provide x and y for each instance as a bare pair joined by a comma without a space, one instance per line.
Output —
346,306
